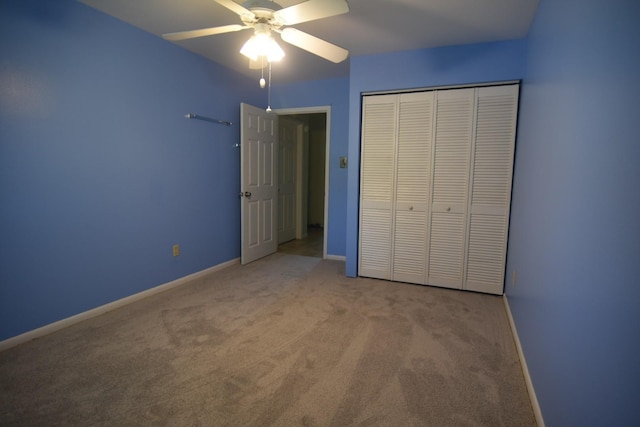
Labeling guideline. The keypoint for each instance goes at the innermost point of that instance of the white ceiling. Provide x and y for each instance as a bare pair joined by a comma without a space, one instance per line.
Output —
370,27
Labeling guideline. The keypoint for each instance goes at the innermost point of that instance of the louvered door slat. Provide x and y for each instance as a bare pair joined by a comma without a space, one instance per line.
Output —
491,188
447,249
409,260
375,242
486,246
453,140
377,155
377,181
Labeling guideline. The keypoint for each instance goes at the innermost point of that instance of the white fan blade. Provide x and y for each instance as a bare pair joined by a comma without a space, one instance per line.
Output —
311,10
235,7
312,44
182,35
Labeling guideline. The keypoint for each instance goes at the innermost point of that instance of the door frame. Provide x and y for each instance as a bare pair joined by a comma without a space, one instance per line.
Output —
326,109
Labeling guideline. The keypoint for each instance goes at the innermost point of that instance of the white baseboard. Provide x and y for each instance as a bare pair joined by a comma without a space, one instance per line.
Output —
60,324
525,370
335,257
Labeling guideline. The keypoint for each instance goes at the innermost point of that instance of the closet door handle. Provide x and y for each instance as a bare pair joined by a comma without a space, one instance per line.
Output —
410,208
448,209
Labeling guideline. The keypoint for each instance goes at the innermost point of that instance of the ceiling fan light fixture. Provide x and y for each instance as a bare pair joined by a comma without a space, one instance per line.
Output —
262,44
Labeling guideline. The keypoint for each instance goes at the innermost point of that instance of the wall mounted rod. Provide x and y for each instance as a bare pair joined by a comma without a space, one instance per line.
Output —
207,119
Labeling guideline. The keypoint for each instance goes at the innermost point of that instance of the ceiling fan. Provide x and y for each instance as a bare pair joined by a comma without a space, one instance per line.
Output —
265,17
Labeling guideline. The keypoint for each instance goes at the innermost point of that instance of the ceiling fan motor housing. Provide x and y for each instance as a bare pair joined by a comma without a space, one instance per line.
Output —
262,4
262,8
263,11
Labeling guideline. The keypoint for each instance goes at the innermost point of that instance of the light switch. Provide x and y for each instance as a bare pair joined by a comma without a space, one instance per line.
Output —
343,162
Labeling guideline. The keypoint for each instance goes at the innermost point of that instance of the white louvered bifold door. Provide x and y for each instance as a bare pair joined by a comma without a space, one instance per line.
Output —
490,199
453,135
379,119
413,183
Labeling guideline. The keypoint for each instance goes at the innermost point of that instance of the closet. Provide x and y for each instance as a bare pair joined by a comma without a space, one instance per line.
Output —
435,187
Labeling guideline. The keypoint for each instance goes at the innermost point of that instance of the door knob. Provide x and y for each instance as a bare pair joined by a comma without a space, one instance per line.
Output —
247,194
448,209
410,208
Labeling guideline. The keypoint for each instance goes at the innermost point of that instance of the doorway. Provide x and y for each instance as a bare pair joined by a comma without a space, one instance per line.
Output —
311,129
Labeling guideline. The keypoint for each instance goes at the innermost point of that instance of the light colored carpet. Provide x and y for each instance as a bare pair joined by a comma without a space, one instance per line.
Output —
287,340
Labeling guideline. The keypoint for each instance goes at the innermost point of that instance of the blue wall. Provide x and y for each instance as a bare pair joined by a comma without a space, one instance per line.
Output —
100,173
575,218
487,62
335,93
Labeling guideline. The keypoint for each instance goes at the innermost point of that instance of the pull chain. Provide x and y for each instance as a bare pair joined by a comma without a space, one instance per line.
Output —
269,91
262,82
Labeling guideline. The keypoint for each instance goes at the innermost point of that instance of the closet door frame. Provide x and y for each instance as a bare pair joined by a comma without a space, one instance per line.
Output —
392,206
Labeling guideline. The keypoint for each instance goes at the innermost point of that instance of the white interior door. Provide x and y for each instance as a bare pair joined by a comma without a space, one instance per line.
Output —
490,198
287,178
379,132
413,186
453,136
258,182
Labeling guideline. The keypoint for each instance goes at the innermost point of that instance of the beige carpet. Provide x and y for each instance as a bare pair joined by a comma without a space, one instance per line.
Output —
287,340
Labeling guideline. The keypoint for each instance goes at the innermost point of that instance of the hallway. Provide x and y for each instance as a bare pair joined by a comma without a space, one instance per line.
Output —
310,246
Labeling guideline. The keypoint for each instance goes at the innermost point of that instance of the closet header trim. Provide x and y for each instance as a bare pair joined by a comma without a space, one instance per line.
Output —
433,88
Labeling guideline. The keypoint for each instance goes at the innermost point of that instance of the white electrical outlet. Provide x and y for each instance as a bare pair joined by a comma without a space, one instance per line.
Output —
513,277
